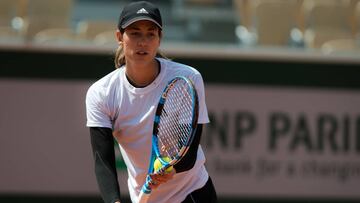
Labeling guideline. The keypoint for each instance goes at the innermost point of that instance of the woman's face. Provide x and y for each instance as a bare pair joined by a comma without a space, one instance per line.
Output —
140,41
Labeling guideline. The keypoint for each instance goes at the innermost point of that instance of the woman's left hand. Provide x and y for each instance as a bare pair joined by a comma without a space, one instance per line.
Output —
158,179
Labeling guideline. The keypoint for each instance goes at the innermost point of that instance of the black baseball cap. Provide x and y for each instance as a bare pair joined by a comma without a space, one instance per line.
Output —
139,10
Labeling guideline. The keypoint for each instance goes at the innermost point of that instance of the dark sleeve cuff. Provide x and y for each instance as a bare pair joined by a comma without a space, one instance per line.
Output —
188,161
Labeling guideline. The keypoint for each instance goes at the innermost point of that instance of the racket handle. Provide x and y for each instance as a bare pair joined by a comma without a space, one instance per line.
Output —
143,198
145,191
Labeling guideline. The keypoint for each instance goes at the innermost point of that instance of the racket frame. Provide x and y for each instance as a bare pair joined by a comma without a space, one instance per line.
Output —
155,152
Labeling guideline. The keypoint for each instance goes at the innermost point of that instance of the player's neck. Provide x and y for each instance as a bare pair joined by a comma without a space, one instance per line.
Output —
142,76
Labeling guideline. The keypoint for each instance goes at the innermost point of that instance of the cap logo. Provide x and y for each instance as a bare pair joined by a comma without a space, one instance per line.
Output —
142,11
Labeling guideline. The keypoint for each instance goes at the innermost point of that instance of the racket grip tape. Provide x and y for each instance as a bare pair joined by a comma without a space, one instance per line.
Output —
143,198
145,191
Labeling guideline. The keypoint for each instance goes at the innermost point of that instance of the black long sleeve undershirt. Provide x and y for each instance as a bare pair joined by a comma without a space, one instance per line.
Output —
102,143
188,161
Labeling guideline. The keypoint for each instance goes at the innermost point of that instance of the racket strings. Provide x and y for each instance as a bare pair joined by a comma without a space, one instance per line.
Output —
175,125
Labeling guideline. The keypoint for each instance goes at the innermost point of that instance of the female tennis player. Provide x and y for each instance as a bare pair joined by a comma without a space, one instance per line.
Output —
122,105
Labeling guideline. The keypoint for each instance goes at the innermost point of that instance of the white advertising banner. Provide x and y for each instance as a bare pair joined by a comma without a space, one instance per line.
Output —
283,142
262,141
44,144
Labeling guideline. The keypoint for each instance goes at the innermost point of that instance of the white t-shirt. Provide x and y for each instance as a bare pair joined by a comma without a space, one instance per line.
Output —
114,103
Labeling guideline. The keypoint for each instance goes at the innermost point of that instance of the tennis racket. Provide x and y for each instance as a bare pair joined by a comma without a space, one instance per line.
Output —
174,127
